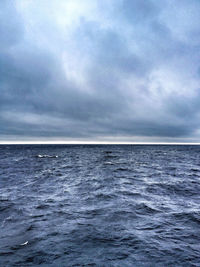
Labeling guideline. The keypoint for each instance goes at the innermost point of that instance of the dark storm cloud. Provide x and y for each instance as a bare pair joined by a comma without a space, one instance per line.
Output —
122,69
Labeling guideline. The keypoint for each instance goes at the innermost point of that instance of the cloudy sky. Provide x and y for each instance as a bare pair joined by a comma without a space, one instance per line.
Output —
100,70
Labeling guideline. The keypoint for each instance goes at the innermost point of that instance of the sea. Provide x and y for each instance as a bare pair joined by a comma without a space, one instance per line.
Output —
99,205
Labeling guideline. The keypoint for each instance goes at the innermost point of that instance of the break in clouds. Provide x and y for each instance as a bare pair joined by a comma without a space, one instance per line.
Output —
118,70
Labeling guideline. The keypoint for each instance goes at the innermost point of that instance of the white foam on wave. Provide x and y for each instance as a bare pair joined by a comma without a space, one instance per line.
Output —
47,156
24,244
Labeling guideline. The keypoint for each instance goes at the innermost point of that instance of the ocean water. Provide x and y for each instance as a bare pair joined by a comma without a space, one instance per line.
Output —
99,205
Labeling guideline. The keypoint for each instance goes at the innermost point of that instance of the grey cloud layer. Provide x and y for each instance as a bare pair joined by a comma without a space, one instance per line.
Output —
125,69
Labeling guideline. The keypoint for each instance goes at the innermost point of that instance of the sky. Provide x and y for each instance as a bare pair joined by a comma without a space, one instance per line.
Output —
100,71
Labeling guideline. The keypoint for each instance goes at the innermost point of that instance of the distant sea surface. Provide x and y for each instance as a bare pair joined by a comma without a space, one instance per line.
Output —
99,205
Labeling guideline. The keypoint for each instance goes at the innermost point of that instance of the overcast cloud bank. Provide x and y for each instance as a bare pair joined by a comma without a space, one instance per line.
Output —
118,70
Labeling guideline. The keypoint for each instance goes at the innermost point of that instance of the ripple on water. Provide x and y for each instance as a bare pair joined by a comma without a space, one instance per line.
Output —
99,205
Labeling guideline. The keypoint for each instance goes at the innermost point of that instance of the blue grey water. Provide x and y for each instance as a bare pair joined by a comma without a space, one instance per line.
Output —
99,205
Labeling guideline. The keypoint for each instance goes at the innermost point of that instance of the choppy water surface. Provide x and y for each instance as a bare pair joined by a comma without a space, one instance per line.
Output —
99,205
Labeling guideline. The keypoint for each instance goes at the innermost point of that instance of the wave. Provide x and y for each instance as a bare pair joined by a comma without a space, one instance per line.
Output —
144,209
46,156
79,210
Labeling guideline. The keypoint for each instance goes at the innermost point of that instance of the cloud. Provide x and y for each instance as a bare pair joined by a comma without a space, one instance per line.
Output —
127,70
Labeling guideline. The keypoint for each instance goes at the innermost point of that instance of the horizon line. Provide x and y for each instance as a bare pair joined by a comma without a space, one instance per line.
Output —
92,143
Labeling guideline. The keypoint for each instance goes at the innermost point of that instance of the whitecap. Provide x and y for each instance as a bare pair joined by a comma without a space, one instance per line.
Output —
24,244
47,156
